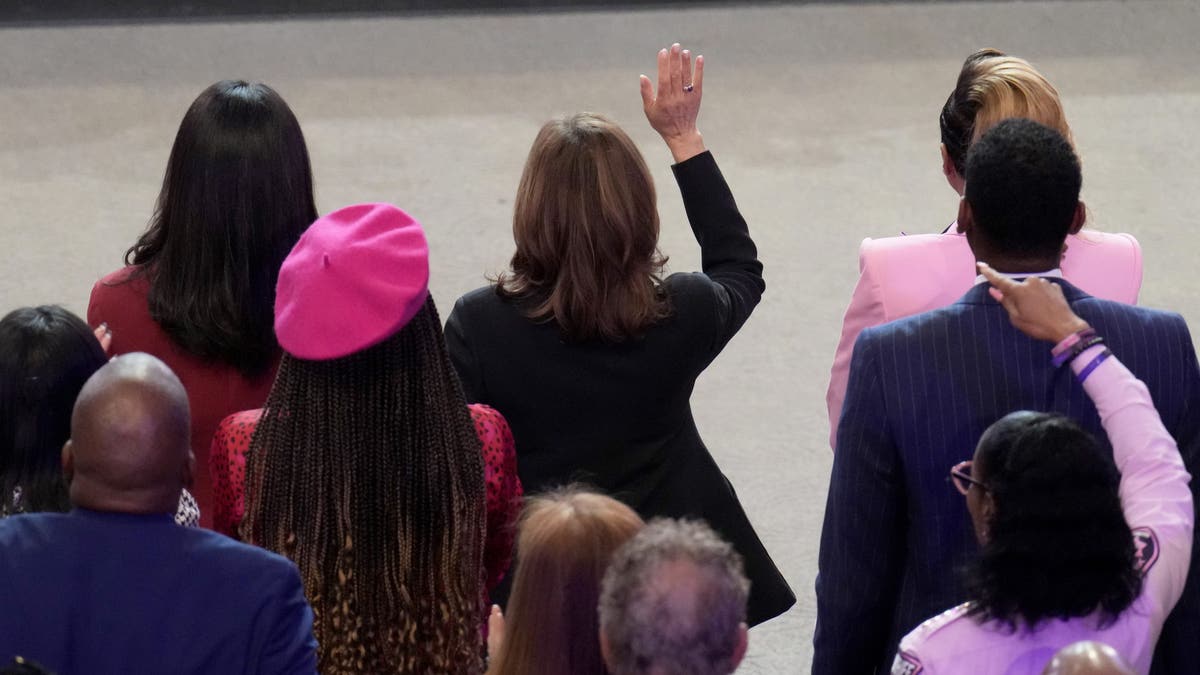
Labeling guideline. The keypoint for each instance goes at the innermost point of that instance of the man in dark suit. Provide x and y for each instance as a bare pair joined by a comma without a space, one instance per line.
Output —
923,389
115,586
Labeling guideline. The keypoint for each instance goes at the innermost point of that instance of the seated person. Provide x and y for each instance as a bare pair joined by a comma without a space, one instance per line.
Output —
114,586
1075,545
567,538
673,602
902,276
367,467
46,354
1087,658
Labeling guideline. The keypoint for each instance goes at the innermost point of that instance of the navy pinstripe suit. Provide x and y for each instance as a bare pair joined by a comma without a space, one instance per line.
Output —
922,391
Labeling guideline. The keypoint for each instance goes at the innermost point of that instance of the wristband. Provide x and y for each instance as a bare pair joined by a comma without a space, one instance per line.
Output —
1087,370
1072,340
1077,349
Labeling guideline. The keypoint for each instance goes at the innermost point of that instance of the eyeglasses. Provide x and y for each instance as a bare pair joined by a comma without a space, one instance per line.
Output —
960,475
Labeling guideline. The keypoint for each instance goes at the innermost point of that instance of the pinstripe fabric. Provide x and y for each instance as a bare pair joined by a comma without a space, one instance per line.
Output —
922,390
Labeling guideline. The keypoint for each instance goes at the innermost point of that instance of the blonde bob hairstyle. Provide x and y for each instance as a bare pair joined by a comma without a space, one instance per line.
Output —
993,86
567,539
586,229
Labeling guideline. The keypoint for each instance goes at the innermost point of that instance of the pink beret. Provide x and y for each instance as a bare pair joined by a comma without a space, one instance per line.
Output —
355,278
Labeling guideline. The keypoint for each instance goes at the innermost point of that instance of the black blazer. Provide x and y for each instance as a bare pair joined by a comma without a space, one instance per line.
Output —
922,391
618,416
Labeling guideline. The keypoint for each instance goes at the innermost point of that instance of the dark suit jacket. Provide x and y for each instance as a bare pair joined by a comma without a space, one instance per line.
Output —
97,593
618,416
922,391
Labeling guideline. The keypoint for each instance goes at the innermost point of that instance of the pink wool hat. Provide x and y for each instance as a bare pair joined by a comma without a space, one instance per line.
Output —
355,278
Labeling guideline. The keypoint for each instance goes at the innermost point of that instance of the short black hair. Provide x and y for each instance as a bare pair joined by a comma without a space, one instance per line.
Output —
1059,545
1023,181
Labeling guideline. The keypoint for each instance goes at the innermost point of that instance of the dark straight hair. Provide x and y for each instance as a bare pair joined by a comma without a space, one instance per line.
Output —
237,195
46,356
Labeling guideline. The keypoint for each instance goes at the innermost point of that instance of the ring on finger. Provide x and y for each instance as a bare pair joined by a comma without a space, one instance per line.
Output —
688,88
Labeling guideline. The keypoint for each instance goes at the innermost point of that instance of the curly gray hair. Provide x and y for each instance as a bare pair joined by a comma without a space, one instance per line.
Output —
672,601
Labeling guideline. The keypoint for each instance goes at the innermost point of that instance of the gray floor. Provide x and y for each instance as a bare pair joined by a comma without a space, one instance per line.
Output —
824,119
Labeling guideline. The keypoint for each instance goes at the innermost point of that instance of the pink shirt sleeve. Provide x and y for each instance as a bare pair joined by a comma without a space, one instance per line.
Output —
865,310
1154,483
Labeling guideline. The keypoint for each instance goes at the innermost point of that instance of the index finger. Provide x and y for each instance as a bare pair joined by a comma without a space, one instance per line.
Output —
996,279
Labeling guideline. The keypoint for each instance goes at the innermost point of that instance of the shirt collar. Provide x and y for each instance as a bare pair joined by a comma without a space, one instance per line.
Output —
1055,273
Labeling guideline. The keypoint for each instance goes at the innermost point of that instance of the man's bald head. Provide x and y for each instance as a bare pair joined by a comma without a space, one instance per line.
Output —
1087,658
130,439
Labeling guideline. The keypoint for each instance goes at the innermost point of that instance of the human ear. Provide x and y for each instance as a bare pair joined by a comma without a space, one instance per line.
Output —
189,470
739,649
966,218
951,172
68,462
1079,218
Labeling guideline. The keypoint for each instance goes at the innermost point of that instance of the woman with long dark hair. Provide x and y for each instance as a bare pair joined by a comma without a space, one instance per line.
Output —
367,467
199,285
585,347
906,275
1075,544
46,356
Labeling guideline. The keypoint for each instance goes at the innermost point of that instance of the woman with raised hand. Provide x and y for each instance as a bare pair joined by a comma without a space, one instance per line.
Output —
199,284
367,468
46,356
552,627
588,351
906,275
1075,544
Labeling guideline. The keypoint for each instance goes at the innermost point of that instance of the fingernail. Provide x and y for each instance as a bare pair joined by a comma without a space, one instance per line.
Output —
104,325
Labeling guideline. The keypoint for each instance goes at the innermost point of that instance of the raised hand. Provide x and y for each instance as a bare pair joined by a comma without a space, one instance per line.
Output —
495,639
104,336
672,109
1036,307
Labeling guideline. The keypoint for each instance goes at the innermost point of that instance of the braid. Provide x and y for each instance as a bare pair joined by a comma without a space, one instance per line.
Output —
366,472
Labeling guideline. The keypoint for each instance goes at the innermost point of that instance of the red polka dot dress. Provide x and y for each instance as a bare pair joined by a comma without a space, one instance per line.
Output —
227,462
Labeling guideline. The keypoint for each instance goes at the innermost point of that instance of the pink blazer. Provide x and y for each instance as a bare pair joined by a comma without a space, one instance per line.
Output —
902,276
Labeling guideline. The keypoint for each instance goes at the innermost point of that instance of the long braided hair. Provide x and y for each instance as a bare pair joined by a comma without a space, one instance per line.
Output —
366,472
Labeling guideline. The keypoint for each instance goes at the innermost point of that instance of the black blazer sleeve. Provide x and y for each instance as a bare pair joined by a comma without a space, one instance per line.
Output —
728,256
462,356
862,540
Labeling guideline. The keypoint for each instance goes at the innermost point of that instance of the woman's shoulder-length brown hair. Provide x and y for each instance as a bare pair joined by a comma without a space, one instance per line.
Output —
586,230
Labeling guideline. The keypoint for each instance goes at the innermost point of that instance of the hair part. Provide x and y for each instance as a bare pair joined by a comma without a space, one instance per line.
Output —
586,230
236,196
673,601
567,537
47,354
1059,546
367,472
1023,183
991,87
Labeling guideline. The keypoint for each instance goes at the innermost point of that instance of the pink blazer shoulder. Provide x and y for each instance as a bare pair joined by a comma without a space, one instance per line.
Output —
903,276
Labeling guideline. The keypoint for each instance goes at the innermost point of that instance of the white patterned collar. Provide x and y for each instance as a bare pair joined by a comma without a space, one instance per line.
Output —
1055,273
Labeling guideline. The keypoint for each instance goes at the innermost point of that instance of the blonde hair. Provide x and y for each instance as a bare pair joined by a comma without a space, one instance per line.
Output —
993,86
567,538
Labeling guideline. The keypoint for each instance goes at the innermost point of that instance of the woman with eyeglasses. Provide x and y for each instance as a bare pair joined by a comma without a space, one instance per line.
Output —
1075,544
